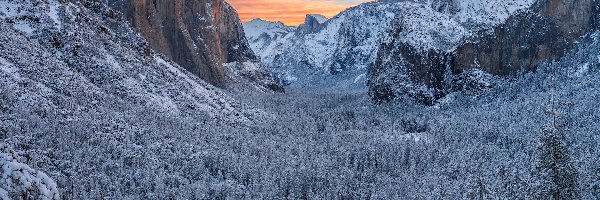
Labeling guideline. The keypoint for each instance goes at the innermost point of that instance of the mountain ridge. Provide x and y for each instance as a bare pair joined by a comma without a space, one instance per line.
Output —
343,48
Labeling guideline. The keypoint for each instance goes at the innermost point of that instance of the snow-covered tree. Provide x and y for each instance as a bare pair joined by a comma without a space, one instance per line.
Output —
19,181
556,177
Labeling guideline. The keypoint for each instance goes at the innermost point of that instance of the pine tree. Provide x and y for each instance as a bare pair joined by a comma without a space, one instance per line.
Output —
482,191
596,180
556,177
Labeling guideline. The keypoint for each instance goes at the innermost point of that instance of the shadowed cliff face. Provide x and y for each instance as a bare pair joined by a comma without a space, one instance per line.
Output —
544,32
406,70
200,35
311,25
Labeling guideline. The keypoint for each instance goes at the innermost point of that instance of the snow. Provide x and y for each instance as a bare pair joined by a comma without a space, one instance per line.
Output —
582,70
163,104
3,63
24,27
8,9
113,62
170,67
489,12
9,69
445,101
425,28
354,35
20,12
255,28
263,35
4,194
417,137
199,89
246,66
360,77
18,177
53,13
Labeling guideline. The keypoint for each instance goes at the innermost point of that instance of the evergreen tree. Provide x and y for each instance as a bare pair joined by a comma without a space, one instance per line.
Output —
596,181
556,177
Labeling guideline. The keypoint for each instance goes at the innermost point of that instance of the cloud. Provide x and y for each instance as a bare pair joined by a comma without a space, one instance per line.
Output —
290,12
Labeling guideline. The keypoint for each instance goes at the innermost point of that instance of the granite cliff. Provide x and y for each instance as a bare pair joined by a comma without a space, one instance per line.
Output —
199,35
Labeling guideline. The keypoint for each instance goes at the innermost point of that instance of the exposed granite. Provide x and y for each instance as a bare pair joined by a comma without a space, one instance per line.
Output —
200,35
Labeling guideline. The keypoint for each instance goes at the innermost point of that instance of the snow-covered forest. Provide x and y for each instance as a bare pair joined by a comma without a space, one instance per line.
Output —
493,145
89,111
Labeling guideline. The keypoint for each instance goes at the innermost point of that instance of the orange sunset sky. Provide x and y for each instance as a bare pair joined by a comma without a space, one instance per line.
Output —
290,12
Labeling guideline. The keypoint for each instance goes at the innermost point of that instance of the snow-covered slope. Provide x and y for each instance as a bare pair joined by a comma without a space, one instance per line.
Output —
337,55
484,13
425,62
261,33
87,99
258,27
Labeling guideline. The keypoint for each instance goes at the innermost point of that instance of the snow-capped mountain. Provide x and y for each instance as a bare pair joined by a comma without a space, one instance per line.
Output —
320,18
426,73
336,54
261,34
257,28
307,57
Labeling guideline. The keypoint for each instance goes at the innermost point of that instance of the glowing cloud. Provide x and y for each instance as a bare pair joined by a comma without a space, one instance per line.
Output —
290,12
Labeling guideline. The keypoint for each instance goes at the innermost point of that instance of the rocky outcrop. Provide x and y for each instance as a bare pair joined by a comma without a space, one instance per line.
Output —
407,70
200,35
312,24
544,32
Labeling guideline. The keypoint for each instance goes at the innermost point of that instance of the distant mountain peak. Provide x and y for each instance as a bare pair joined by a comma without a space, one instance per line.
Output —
312,24
320,18
262,22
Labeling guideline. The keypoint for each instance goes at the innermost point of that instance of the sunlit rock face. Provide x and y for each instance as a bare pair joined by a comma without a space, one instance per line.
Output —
527,38
200,35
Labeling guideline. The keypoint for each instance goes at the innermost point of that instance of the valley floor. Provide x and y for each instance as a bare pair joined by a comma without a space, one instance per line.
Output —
335,146
331,146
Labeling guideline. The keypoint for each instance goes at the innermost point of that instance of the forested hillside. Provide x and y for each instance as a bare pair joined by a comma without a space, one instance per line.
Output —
90,110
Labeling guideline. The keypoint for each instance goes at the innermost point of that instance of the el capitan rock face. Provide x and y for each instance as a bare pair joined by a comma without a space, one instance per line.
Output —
544,32
200,35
